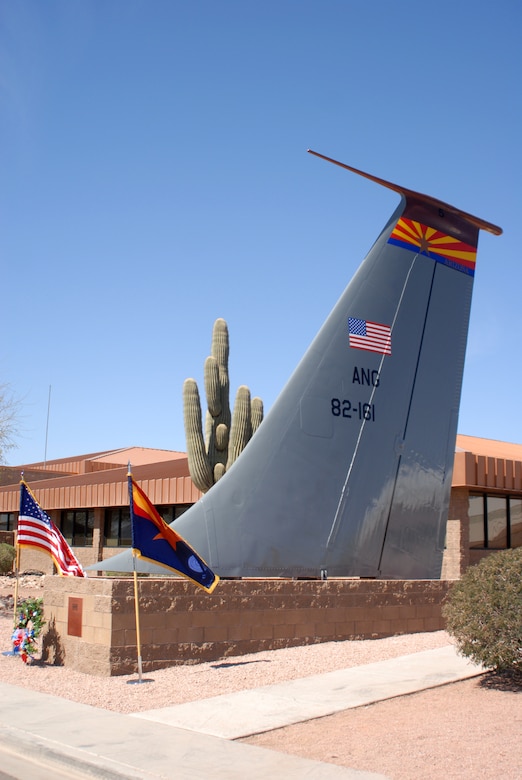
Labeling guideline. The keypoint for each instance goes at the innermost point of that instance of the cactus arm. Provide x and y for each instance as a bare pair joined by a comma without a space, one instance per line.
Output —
256,413
241,429
220,351
217,391
221,438
209,426
219,470
220,342
212,386
199,466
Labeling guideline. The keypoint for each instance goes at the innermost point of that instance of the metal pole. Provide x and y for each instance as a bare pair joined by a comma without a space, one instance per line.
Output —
47,424
137,611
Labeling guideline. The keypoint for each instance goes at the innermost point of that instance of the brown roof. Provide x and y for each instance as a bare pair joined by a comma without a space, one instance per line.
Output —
489,447
166,481
79,464
487,464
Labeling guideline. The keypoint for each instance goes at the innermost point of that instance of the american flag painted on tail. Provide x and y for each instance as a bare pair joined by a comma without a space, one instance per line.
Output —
370,336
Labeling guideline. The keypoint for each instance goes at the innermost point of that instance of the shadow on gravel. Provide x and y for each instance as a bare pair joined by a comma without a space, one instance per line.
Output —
502,681
239,663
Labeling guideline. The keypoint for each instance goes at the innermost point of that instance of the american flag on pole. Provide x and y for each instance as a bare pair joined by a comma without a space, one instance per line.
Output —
371,336
36,529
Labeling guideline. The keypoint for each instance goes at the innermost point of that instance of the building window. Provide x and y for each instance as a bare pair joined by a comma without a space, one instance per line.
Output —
117,527
8,521
171,513
477,539
77,526
495,522
497,525
515,522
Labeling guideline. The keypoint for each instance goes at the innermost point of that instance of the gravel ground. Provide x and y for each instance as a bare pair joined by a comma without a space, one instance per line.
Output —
471,729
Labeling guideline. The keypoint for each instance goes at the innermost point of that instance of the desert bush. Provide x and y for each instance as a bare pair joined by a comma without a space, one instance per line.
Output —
484,612
7,556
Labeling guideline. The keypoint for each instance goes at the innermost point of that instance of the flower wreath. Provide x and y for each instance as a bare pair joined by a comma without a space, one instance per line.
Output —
28,627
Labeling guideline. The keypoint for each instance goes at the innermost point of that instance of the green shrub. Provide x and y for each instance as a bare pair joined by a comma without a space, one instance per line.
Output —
7,556
484,612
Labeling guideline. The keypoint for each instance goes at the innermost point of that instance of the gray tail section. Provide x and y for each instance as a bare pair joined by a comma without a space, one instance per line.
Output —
350,472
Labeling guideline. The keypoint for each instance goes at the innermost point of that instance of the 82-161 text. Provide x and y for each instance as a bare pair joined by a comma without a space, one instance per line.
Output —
360,411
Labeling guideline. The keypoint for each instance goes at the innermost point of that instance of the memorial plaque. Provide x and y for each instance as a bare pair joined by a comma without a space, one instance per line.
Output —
74,616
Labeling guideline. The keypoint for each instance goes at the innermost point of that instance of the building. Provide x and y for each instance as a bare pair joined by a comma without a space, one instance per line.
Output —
87,498
485,512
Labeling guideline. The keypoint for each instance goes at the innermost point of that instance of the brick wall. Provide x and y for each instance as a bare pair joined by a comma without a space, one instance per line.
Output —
456,553
182,624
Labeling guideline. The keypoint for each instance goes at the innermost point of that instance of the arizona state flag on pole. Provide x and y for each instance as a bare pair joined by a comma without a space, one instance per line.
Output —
36,529
154,540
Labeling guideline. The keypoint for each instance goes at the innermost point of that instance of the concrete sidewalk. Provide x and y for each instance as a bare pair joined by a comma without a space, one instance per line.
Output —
194,740
242,714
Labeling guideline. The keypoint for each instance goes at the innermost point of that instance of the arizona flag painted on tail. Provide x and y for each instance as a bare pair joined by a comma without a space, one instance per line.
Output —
413,235
36,529
154,540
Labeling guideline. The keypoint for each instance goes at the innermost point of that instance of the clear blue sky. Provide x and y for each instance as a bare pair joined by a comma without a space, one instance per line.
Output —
154,177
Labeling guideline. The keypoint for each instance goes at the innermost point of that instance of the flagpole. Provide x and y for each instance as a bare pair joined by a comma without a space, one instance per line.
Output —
17,570
136,594
47,424
17,559
137,611
15,600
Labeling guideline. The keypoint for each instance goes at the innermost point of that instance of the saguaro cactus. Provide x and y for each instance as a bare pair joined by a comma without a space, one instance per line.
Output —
226,435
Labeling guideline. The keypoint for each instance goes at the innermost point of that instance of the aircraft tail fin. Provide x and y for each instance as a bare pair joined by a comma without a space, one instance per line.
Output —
350,472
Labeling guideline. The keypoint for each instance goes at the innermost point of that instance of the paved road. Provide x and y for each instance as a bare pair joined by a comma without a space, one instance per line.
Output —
17,766
44,737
